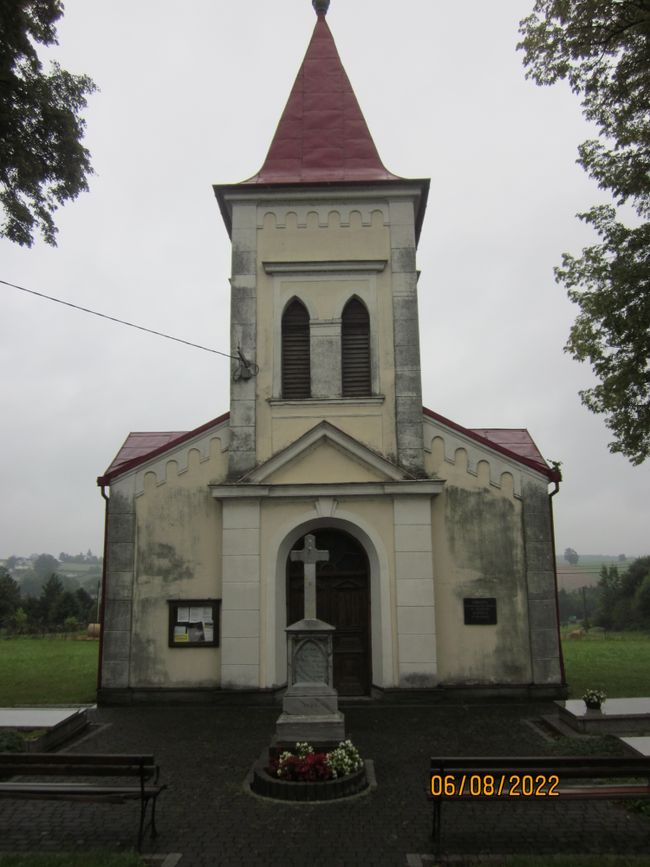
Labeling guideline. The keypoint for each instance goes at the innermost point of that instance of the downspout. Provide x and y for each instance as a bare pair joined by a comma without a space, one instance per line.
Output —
557,478
103,593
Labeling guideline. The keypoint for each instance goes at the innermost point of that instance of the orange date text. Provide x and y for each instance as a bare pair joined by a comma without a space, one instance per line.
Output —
494,785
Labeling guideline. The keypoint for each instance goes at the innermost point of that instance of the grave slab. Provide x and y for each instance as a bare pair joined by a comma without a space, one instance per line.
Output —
640,744
57,724
616,716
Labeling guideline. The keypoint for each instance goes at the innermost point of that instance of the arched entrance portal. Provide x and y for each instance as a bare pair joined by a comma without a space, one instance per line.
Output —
342,599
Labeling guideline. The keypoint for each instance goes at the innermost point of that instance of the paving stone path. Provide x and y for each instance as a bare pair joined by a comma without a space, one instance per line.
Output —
205,814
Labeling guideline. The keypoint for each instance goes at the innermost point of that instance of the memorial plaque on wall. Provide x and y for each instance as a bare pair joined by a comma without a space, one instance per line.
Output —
480,611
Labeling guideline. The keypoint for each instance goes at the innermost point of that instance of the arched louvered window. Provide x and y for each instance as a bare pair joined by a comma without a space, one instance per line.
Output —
296,373
355,350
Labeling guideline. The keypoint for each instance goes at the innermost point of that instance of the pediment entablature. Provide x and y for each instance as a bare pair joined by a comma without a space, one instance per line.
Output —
326,454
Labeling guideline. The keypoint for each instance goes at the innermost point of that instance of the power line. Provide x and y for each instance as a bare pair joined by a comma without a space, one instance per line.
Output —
119,321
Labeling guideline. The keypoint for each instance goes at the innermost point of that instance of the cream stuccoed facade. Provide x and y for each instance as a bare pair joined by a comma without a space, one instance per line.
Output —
441,569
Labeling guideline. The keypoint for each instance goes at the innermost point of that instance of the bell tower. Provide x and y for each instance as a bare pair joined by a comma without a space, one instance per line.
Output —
324,280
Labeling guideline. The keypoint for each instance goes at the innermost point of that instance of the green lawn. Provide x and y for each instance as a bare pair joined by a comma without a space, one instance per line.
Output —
617,662
37,671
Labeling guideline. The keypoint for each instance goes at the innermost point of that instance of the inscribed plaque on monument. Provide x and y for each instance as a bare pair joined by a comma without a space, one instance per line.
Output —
480,611
310,664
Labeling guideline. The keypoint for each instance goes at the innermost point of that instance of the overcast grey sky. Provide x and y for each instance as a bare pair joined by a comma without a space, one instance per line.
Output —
190,95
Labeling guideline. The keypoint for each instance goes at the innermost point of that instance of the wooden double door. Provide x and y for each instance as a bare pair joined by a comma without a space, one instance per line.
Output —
343,600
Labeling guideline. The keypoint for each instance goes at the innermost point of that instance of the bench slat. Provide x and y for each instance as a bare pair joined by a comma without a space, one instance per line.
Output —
78,758
78,765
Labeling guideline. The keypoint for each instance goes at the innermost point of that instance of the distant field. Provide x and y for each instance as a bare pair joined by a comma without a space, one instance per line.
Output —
586,573
37,671
618,662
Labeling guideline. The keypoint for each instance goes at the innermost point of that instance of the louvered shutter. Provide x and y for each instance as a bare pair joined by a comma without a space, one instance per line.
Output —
355,350
296,372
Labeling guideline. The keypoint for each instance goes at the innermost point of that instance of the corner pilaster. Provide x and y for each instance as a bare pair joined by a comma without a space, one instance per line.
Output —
243,334
118,593
240,598
540,579
416,629
406,338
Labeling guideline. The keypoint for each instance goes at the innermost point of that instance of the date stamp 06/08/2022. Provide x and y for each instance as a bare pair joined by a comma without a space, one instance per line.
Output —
494,785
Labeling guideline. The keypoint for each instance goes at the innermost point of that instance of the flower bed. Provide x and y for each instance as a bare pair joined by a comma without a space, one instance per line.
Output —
307,775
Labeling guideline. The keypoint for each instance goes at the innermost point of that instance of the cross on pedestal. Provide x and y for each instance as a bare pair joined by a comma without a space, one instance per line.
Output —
310,556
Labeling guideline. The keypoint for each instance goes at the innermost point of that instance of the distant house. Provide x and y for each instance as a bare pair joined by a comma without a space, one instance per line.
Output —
440,567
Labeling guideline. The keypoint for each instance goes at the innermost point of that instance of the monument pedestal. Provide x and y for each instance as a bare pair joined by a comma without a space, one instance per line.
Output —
310,705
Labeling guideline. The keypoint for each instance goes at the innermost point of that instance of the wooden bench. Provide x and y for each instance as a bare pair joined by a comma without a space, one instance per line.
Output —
534,779
143,785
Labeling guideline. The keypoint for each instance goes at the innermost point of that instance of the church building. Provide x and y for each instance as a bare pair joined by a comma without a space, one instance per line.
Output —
440,569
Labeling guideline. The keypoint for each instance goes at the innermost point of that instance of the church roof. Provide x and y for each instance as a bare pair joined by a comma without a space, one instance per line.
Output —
140,447
322,137
516,443
322,134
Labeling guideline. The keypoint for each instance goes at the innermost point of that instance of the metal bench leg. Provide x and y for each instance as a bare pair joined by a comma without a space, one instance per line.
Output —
154,830
143,812
436,828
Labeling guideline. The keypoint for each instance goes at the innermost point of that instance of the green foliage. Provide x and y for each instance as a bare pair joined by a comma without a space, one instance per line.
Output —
50,607
42,161
581,603
11,741
601,48
624,601
31,584
9,596
611,284
609,588
18,622
45,565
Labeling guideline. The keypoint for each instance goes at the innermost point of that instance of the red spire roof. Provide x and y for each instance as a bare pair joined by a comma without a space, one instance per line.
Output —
322,135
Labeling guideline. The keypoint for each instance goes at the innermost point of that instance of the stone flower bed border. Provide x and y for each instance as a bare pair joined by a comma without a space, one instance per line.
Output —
359,783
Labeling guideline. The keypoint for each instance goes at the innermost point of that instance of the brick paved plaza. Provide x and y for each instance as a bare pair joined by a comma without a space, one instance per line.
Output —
205,814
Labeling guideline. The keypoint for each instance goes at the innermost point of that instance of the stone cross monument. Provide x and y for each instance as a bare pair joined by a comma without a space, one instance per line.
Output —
310,705
310,556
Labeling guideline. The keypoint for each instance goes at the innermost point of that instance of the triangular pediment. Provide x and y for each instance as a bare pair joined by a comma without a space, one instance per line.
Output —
325,455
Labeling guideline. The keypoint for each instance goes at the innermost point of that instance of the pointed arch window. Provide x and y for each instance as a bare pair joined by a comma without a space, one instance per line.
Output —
355,350
296,370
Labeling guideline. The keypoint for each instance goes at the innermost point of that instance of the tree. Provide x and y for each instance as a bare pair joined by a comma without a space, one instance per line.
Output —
45,565
609,586
86,606
31,584
571,556
625,599
9,596
49,601
601,47
42,161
